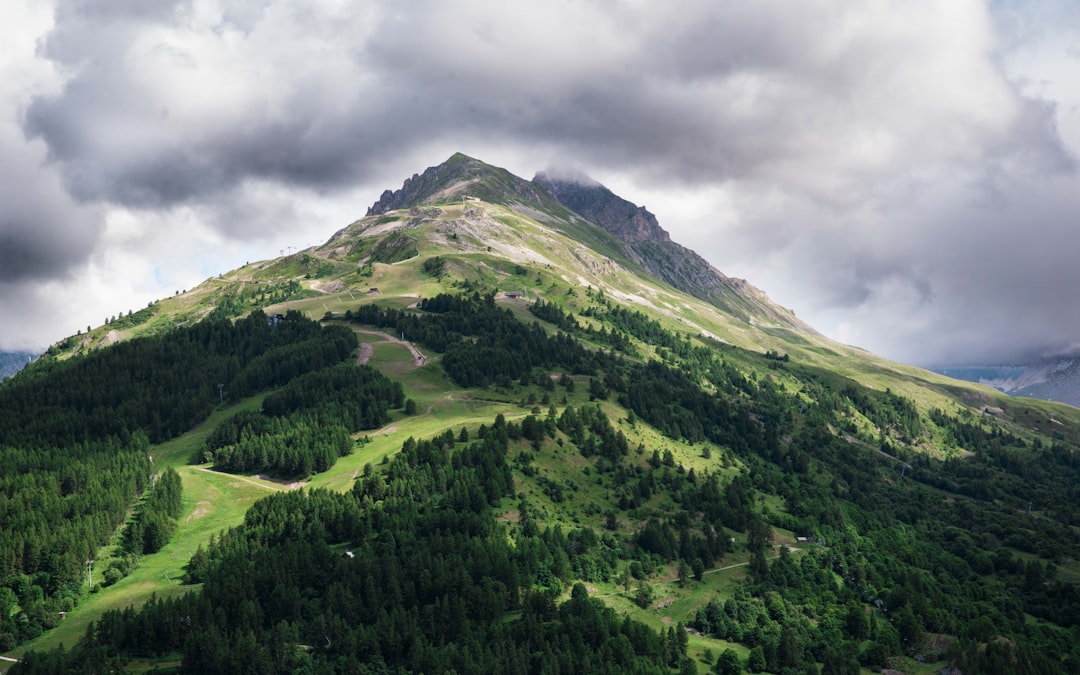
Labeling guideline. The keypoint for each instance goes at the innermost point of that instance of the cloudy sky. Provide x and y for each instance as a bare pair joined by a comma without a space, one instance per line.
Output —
903,174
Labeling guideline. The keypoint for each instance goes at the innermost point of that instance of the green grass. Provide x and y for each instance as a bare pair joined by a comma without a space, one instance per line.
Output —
212,502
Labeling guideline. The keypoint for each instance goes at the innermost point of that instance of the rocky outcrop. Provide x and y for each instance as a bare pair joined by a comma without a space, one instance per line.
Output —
459,177
650,246
627,221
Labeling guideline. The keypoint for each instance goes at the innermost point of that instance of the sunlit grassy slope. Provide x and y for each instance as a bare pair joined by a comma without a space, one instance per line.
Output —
487,247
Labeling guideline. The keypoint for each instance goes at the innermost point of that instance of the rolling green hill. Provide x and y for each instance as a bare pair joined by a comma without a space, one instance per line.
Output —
520,439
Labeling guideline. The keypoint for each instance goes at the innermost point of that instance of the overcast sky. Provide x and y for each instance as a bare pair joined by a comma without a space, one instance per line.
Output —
903,174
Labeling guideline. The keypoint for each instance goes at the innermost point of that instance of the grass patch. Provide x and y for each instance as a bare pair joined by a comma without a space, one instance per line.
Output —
212,502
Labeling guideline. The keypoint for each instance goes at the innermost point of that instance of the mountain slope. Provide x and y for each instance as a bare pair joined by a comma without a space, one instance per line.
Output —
784,496
13,362
639,241
651,247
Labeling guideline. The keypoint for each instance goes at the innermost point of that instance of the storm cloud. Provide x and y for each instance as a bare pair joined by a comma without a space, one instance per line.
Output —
902,174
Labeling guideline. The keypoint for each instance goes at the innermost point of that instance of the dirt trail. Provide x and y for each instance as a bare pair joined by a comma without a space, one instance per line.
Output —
672,578
418,358
276,485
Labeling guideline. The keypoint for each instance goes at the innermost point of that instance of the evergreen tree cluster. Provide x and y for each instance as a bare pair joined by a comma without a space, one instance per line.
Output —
56,508
483,345
293,447
155,517
305,426
408,572
589,429
77,434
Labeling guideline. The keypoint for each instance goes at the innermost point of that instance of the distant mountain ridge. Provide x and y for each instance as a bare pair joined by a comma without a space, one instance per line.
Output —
1051,380
637,233
13,362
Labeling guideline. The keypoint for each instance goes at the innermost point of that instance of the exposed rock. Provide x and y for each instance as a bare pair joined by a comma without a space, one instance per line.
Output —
628,222
650,246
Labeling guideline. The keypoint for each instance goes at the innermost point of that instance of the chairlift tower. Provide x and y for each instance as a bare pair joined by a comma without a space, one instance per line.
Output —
89,572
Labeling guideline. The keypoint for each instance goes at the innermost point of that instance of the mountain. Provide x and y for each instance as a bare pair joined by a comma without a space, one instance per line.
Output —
639,241
1049,380
487,428
13,362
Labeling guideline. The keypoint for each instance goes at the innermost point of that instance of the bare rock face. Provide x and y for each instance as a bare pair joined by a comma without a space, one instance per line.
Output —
415,190
628,222
649,245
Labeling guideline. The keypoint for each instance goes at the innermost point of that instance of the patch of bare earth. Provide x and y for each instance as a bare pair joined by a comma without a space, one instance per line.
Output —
201,509
366,352
292,485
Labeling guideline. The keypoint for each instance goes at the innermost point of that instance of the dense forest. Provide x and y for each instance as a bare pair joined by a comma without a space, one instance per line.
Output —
407,572
960,557
926,547
76,436
304,427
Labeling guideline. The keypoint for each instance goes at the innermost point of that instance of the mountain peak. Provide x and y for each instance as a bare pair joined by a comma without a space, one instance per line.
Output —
569,198
458,176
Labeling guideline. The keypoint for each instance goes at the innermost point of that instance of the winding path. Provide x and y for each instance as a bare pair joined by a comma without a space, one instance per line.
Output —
365,354
712,571
273,486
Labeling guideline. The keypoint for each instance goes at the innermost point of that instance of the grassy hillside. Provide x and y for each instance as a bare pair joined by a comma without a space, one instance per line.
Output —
781,496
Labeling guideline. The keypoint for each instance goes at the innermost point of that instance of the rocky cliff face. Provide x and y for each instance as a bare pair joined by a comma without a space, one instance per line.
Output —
650,246
622,218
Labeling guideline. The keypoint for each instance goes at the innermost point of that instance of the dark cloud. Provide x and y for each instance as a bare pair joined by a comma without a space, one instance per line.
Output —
43,233
165,107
